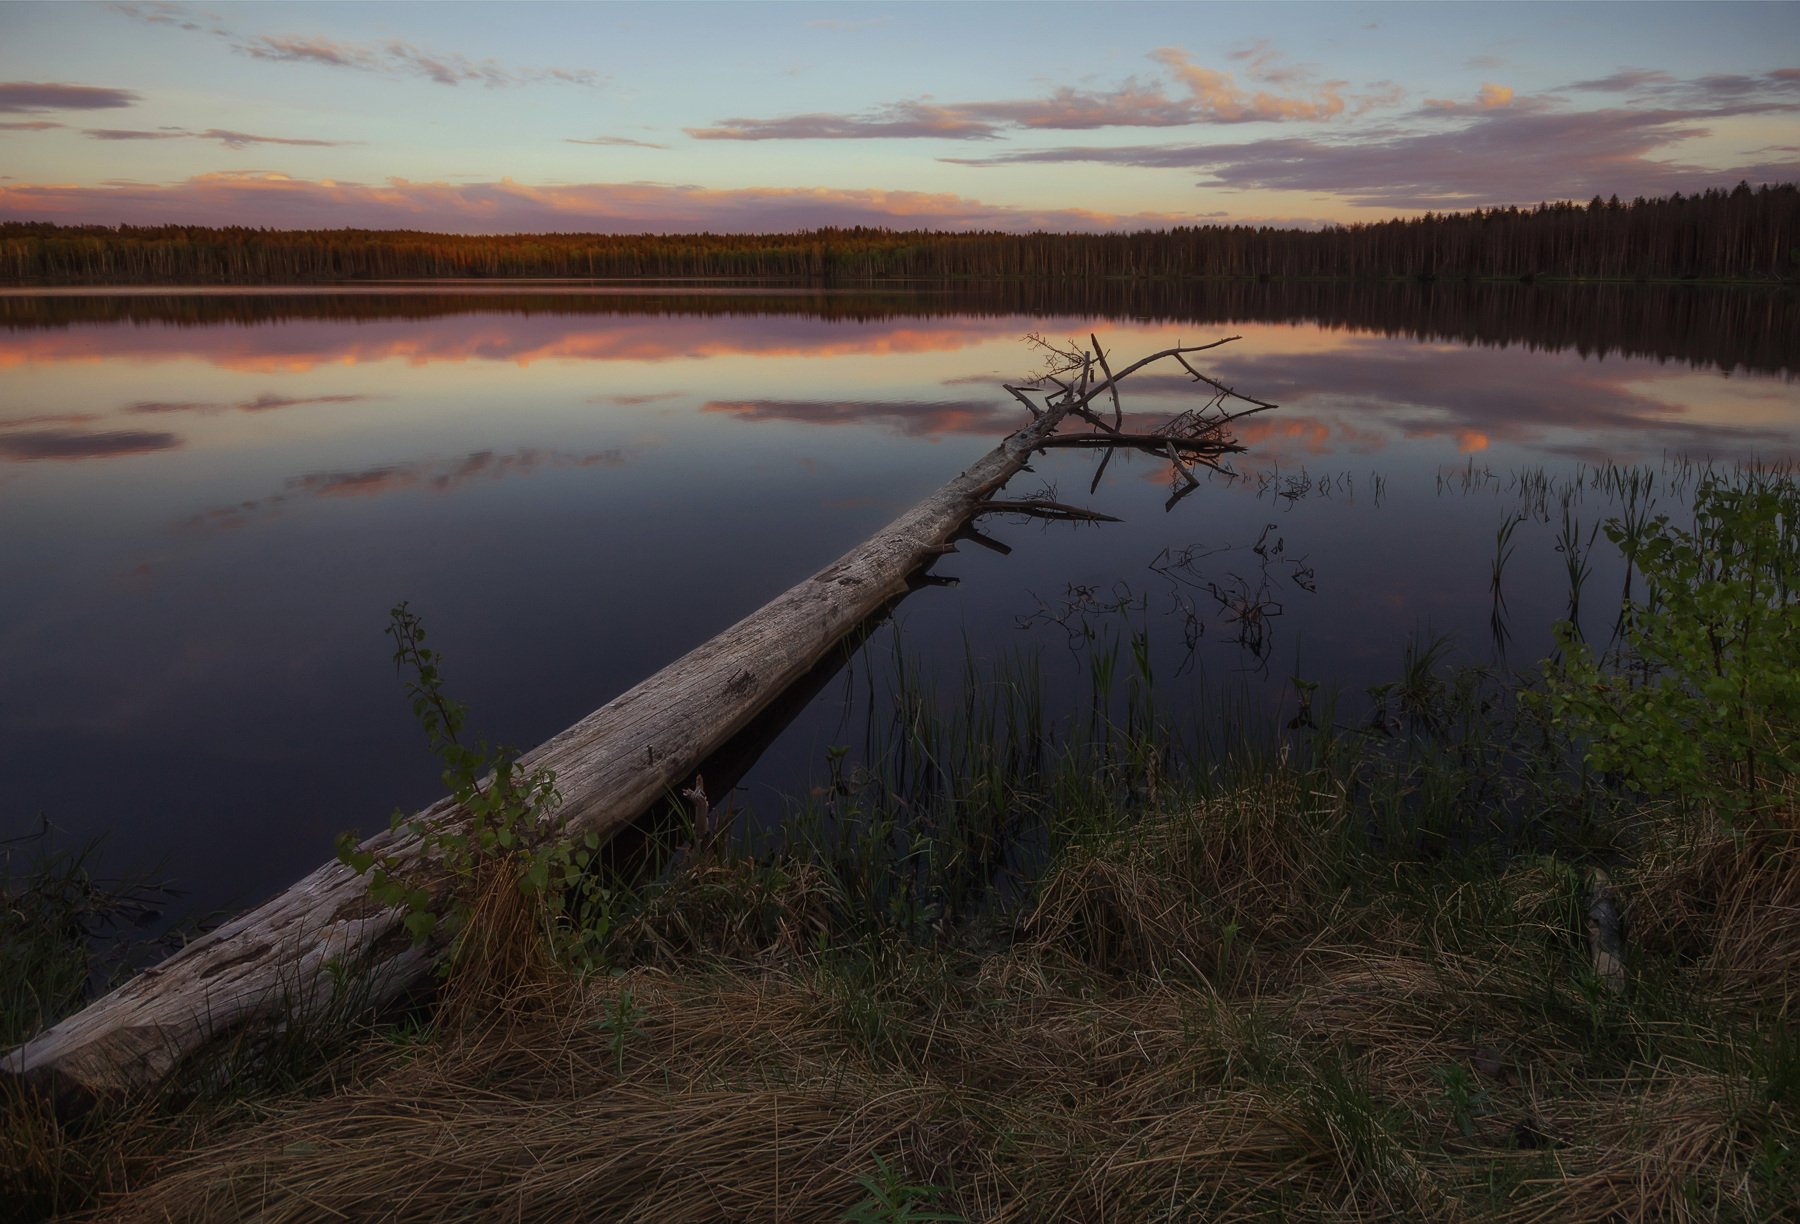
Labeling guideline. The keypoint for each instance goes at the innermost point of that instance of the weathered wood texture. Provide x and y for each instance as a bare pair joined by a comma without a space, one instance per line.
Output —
287,958
278,960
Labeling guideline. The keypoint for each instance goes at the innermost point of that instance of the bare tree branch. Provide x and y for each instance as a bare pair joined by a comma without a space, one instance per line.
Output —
1047,510
1221,387
1151,442
1100,470
1020,395
1118,409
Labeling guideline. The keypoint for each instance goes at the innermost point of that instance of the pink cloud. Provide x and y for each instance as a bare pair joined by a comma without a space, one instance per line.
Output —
615,141
132,134
1489,97
1213,97
226,137
164,12
392,57
32,96
262,403
68,444
901,120
1219,99
49,418
262,198
1517,153
316,50
1263,62
397,58
634,401
1725,92
237,140
1130,105
1626,80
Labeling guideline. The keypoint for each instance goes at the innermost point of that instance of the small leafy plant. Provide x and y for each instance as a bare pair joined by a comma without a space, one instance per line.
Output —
508,814
1706,702
622,1021
1462,1095
891,1199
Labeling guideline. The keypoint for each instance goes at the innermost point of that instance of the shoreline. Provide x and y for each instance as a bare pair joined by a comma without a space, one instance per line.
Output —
728,286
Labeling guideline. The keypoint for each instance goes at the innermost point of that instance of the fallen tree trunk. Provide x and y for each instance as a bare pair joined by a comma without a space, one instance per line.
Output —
289,958
274,962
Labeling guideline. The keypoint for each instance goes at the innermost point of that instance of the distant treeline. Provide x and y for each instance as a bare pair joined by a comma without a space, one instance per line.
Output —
1738,234
1725,327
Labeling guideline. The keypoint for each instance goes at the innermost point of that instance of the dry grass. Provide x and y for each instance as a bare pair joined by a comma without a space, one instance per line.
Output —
1223,1014
1726,906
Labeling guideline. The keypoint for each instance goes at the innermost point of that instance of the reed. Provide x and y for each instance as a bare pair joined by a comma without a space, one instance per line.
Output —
1235,1008
1010,963
1503,551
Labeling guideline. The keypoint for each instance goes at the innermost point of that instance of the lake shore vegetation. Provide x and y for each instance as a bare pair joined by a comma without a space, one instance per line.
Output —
1740,235
1498,947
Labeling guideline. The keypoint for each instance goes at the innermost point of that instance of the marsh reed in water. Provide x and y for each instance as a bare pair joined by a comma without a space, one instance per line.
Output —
1009,963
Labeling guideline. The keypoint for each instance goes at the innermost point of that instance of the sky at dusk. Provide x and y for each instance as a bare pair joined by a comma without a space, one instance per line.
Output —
755,117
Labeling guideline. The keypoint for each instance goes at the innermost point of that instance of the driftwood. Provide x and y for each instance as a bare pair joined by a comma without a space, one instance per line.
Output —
1055,510
289,958
1194,437
1153,443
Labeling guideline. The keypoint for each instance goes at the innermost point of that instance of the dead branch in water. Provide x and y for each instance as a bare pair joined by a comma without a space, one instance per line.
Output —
1195,437
1046,510
1154,442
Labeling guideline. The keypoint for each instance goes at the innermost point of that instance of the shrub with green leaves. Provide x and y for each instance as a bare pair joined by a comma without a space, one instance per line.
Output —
1703,699
510,814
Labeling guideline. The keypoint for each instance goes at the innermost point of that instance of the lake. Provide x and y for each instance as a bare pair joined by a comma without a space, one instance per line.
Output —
210,501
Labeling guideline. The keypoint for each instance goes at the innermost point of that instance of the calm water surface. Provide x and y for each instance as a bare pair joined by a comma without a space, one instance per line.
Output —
209,503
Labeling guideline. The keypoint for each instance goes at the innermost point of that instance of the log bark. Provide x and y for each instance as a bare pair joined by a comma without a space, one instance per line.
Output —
324,945
288,959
